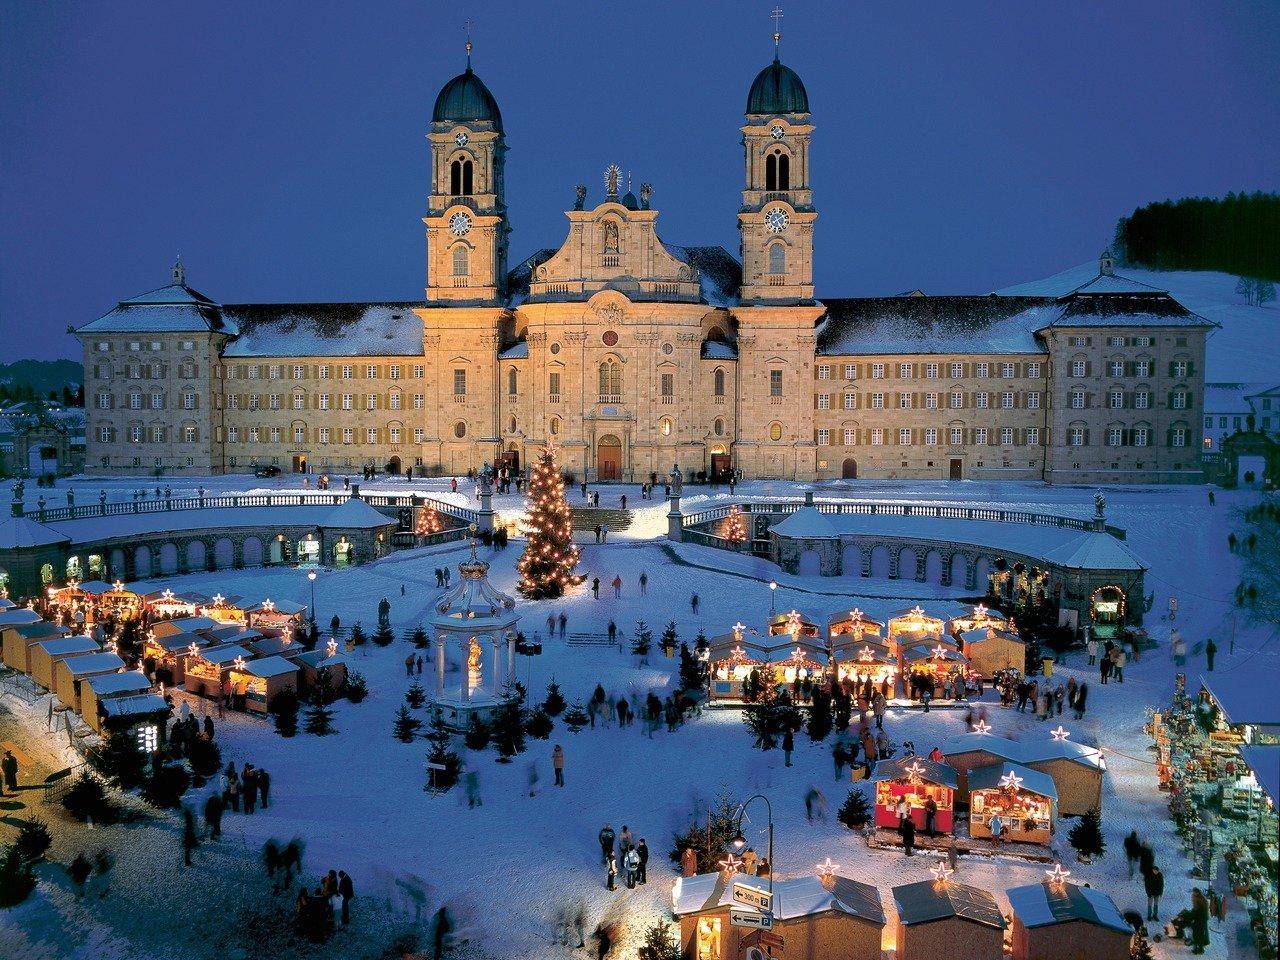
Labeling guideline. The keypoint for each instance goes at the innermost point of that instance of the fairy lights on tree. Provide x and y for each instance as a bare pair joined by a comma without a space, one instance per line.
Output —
735,527
427,521
548,566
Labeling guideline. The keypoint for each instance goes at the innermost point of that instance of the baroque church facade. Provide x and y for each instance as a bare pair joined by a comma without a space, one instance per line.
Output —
632,354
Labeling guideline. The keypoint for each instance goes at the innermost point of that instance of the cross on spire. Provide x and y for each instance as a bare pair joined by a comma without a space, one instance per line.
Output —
776,15
466,29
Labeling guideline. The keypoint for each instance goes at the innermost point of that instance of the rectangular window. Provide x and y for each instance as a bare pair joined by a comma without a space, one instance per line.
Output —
904,437
253,372
419,401
982,371
775,383
189,434
1179,400
1006,400
980,436
103,401
824,401
188,401
849,435
324,434
1033,371
1142,368
1115,341
667,387
824,438
904,401
1142,400
957,436
904,371
300,434
957,371
848,401
1033,436
394,371
1033,401
393,401
1077,399
346,371
1115,437
1179,368
135,434
419,435
851,371
931,401
253,401
347,401
877,401
877,371
824,371
275,401
1141,437
1115,368
1115,399
1208,423
371,401
395,434
273,372
956,400
1006,436
371,435
254,434
1222,423
371,372
931,371
1078,368
419,371
297,371
459,383
1006,370
323,372
931,436
233,434
299,401
348,435
135,401
877,437
1179,436
1075,437
980,400
324,401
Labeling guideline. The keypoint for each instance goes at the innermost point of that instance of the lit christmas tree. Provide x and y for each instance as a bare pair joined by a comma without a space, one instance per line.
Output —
548,566
735,527
427,522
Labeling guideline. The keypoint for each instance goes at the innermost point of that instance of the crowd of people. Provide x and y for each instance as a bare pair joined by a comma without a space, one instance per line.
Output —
1043,698
630,856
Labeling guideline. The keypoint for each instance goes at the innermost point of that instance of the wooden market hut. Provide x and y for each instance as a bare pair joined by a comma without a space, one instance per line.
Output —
980,617
732,659
856,659
946,920
264,646
916,780
48,652
990,650
144,714
17,616
225,609
833,917
281,616
165,604
70,674
167,628
913,626
315,664
167,655
794,624
232,633
258,681
1076,769
1064,921
939,659
17,640
207,674
793,661
854,624
94,691
1025,799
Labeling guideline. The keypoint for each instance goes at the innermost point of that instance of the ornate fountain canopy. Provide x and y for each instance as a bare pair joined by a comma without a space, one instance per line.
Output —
475,604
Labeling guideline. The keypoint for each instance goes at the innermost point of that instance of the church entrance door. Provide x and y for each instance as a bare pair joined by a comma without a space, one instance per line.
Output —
849,469
608,458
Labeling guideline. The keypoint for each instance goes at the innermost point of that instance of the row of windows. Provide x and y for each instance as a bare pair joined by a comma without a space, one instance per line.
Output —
158,433
135,346
1118,367
344,371
955,400
928,436
1081,341
1118,436
1129,399
957,370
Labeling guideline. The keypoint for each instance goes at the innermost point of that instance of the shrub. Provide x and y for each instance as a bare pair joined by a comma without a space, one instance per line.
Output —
357,687
554,704
204,756
508,732
120,760
166,786
661,942
1086,836
575,717
415,696
442,753
358,637
33,840
539,725
16,878
405,729
284,707
87,799
477,735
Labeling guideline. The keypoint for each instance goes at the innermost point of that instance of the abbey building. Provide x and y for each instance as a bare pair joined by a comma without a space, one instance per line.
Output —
634,354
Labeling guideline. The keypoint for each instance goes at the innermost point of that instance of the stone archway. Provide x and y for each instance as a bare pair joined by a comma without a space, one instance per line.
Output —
142,563
608,458
252,552
959,570
880,562
907,561
810,564
169,559
933,567
224,553
849,469
851,560
197,555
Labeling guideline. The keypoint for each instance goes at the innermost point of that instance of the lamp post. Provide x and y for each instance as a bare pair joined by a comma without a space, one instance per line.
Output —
311,575
773,593
739,841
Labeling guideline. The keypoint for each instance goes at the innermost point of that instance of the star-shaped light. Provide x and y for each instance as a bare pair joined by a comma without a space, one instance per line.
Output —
914,772
941,872
939,651
1060,734
193,649
917,611
118,585
268,605
980,611
866,654
737,630
331,647
730,863
238,663
827,869
855,615
1011,779
217,599
982,727
1057,875
166,594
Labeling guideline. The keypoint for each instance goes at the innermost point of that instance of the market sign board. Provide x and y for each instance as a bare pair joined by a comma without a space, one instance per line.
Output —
748,896
750,918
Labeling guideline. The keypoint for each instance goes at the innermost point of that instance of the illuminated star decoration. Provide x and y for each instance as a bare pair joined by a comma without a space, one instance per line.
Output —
332,647
940,872
982,727
217,599
268,605
980,612
917,611
865,654
939,651
855,615
193,650
915,772
827,869
166,594
737,630
118,586
1057,875
1060,734
239,663
730,863
1011,779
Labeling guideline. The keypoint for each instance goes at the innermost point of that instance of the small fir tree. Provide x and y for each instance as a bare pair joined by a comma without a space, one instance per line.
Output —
855,813
443,755
735,526
87,800
319,716
539,725
79,870
642,642
166,786
709,833
418,637
121,760
358,637
819,724
1086,836
406,725
205,757
554,704
357,687
33,840
669,640
478,734
17,879
415,696
700,642
549,564
575,718
661,942
284,708
690,669
508,732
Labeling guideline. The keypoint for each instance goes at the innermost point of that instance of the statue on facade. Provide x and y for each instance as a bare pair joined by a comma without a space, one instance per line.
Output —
646,191
580,199
1099,504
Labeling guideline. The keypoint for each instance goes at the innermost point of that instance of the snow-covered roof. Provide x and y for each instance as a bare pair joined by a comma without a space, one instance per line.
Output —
929,651
95,588
851,650
793,897
805,522
1024,751
1264,761
388,329
317,659
930,771
38,630
928,900
184,625
718,350
1069,281
19,532
267,646
719,273
93,663
179,642
134,706
64,646
113,684
984,634
88,529
1044,904
1033,781
174,308
287,608
913,324
232,633
18,616
354,513
270,667
225,655
1245,696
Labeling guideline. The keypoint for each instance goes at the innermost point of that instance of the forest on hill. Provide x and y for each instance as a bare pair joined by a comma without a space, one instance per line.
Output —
1237,234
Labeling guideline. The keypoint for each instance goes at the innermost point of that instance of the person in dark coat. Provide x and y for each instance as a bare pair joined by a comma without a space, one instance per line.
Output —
264,786
1210,651
606,839
642,850
1082,695
788,744
1199,921
1153,882
213,816
1146,859
9,766
443,926
907,830
347,891
189,838
1132,845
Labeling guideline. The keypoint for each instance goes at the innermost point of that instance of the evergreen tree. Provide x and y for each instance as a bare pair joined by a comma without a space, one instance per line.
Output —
121,760
508,732
1086,836
735,527
554,704
415,696
358,637
17,879
642,641
690,669
284,708
856,811
418,637
819,724
1139,947
700,642
477,735
166,786
575,718
87,800
383,636
357,688
661,942
204,756
539,725
442,754
33,840
668,640
427,521
548,566
406,725
319,716
709,833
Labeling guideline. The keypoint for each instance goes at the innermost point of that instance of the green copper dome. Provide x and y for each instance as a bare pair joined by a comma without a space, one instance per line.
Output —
777,89
465,99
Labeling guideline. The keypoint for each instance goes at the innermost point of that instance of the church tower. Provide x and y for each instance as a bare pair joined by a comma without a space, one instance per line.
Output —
467,229
777,215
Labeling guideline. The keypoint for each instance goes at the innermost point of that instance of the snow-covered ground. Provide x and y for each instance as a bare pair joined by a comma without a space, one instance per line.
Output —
357,797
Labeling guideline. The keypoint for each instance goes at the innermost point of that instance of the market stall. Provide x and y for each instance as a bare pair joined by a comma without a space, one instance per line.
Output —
94,691
207,673
69,674
1077,770
280,616
1024,799
167,628
120,603
945,920
916,781
854,624
144,715
792,666
167,605
165,657
256,683
941,663
17,639
226,609
857,661
912,627
980,617
46,653
794,625
1065,921
323,666
732,659
991,650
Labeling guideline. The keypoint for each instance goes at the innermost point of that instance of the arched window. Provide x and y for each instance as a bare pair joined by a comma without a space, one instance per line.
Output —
778,258
610,237
459,429
784,172
664,427
718,378
610,380
512,427
460,177
512,381
718,428
460,266
771,172
554,426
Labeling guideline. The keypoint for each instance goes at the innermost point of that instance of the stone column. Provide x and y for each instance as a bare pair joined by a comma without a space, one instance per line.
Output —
465,687
675,519
439,664
497,668
511,659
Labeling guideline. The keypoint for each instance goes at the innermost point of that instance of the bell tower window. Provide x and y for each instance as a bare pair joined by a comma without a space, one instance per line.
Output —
460,264
777,171
778,259
460,177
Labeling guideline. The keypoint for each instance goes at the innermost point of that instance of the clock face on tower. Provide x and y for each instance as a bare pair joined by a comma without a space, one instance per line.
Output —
778,133
461,139
776,220
459,224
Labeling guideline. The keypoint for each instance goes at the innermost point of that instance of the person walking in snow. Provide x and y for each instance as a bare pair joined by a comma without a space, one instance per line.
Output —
1210,651
213,815
1179,647
611,872
632,864
1082,695
1118,658
788,744
408,665
606,838
642,853
9,767
1091,646
563,621
907,831
190,840
617,586
693,603
347,891
644,584
595,587
613,632
557,761
878,705
1131,847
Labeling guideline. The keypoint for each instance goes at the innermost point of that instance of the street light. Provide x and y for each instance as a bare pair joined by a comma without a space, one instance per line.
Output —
311,575
739,841
773,592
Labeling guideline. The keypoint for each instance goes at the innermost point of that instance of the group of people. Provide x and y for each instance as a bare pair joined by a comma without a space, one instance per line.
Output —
1191,924
631,855
653,710
317,912
1044,699
1111,658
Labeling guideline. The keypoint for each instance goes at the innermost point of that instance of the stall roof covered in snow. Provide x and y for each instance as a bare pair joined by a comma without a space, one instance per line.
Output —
383,329
794,897
1044,904
930,772
930,900
1033,781
112,684
1024,751
140,705
40,628
225,655
270,667
317,659
929,651
93,663
1246,697
18,616
1265,764
185,625
61,646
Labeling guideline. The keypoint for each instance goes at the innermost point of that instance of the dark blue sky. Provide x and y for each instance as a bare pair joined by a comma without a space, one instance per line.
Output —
279,146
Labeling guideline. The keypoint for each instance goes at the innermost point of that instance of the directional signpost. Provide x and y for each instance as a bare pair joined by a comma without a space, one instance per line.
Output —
750,918
750,896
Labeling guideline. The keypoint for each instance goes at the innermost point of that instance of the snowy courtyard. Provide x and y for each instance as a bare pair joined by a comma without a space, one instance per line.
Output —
506,867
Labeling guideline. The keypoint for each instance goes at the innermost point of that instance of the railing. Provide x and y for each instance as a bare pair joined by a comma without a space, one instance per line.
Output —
900,508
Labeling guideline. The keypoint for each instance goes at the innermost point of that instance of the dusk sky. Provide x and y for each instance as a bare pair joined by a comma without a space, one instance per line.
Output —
279,147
